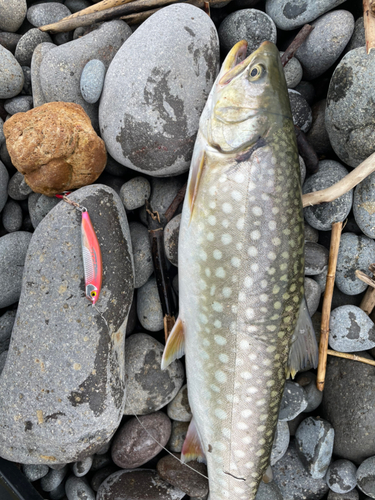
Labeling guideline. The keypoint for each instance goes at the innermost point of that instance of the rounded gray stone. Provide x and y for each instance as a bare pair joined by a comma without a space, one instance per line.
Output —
314,397
39,206
171,234
318,135
4,179
280,442
179,409
26,89
6,326
341,476
355,252
293,401
251,25
134,193
2,136
35,472
178,435
92,80
58,493
351,495
101,460
11,216
27,43
312,295
316,258
19,104
3,358
13,248
269,491
143,265
47,13
82,467
11,75
149,309
301,111
17,188
307,90
350,95
36,60
292,71
325,43
156,134
54,477
322,216
366,477
289,14
9,40
358,37
149,387
12,15
364,206
77,5
77,489
351,330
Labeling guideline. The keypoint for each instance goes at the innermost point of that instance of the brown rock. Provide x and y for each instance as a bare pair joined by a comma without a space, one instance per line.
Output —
55,147
183,477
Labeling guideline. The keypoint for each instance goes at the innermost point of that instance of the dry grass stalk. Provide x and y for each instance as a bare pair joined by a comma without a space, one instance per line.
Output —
138,17
369,22
368,301
353,357
327,301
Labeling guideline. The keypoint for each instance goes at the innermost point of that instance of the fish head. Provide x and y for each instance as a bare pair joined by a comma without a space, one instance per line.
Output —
249,97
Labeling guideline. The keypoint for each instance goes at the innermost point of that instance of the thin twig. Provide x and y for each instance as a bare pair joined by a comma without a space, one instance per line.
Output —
138,17
368,301
353,357
296,44
365,278
369,23
357,175
327,301
177,200
206,8
307,152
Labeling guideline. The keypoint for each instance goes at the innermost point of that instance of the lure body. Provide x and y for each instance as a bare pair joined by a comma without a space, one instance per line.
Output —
92,259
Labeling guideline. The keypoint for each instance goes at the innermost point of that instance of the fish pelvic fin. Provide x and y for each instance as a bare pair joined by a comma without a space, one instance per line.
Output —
197,166
175,346
192,448
304,348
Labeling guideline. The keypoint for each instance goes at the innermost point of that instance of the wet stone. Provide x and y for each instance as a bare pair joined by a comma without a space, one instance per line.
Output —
312,295
149,388
179,409
316,258
35,472
269,491
314,397
19,104
301,111
280,442
149,309
183,477
366,477
351,330
11,75
82,467
178,434
143,266
54,477
77,489
134,193
293,401
364,205
11,216
92,80
27,43
171,233
341,476
133,446
17,187
6,326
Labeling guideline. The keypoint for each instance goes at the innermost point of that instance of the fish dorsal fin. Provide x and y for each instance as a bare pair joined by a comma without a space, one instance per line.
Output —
192,448
175,346
197,166
304,348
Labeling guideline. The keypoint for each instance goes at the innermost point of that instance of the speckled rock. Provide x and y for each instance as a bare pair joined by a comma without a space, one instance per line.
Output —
355,252
156,134
19,104
280,442
92,80
179,409
314,397
134,445
82,367
341,476
82,467
11,74
301,111
35,472
316,258
17,187
149,309
39,206
36,60
134,192
77,5
351,495
47,13
293,72
349,406
4,179
183,477
11,216
77,489
143,266
325,43
54,477
288,14
293,401
364,206
12,14
58,493
318,135
6,326
307,90
171,234
351,330
3,358
294,481
350,95
251,25
358,37
269,491
322,216
9,40
178,434
366,477
137,485
312,295
27,43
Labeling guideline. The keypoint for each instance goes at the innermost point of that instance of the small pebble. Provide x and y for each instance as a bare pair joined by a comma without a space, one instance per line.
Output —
77,489
100,461
307,90
11,216
101,475
351,330
11,75
92,80
293,401
47,13
269,491
316,258
82,467
17,187
179,409
53,478
366,477
178,434
134,193
280,442
314,397
171,233
27,43
19,104
39,205
35,472
312,295
143,265
183,477
351,495
301,111
358,37
9,40
293,72
13,13
77,5
318,135
341,476
364,205
149,309
163,192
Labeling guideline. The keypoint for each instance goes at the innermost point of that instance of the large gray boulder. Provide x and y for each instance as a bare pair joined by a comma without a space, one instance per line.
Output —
62,391
155,90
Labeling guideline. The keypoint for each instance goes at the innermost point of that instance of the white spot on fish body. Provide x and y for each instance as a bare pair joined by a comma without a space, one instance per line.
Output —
220,414
206,342
242,296
217,323
239,178
257,211
226,432
240,224
251,390
212,204
246,413
235,261
236,195
216,306
207,272
202,255
226,239
252,251
254,267
234,309
218,445
227,292
249,313
220,272
246,375
239,246
263,297
227,208
249,465
225,223
247,440
242,426
217,254
223,178
220,340
202,285
215,388
244,344
203,318
248,282
255,235
211,220
239,490
210,236
272,225
223,358
271,255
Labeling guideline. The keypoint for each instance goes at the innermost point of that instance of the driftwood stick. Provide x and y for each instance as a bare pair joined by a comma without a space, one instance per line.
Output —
357,175
369,22
179,198
307,152
368,301
327,301
138,17
296,44
365,278
353,357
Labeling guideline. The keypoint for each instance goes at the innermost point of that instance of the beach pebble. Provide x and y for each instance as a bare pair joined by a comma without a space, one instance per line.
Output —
6,325
351,495
54,477
314,397
11,216
312,295
301,111
149,309
4,179
156,134
3,358
325,43
101,475
307,90
293,401
17,188
101,460
58,493
143,265
19,104
2,136
364,205
358,37
182,477
280,442
269,491
11,75
171,233
82,467
163,192
77,489
317,135
5,158
349,406
288,14
322,217
341,476
134,193
13,13
292,72
36,60
149,387
134,445
26,89
47,13
251,25
294,481
27,43
314,444
178,435
355,252
39,206
9,40
351,330
92,80
35,472
366,477
77,5
179,409
316,258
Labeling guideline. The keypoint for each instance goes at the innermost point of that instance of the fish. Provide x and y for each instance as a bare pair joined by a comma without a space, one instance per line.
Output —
92,259
243,324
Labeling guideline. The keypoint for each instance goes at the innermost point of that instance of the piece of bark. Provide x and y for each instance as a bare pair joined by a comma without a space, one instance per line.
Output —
178,199
369,23
296,43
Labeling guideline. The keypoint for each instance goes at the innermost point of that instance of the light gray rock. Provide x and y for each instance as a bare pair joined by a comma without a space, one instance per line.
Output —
4,179
341,476
358,37
311,234
316,258
366,477
6,326
149,309
92,80
143,265
317,135
351,495
280,442
351,330
156,134
11,74
134,193
312,295
77,489
82,467
307,90
178,434
11,216
293,401
27,44
163,192
179,409
171,234
364,206
314,397
3,358
47,13
17,188
61,67
35,472
19,104
293,72
71,379
325,43
12,14
36,60
301,111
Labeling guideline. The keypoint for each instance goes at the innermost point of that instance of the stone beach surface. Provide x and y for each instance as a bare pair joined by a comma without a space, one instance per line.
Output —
87,414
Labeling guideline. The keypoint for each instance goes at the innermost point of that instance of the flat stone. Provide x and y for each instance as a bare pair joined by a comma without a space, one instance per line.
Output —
143,265
134,193
293,401
179,409
280,442
4,179
178,435
364,205
171,234
47,13
156,134
36,60
134,445
182,477
341,476
35,472
75,380
77,489
12,14
82,467
11,74
149,387
149,309
312,295
92,80
366,477
351,330
316,258
318,135
27,43
11,216
314,397
301,111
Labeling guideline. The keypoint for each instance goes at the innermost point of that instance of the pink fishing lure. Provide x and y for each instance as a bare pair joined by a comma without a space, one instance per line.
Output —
92,259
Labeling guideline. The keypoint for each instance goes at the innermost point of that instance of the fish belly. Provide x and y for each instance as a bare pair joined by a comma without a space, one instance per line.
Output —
241,284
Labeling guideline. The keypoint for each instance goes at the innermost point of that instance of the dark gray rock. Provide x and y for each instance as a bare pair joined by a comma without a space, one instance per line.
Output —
349,406
280,442
47,13
251,25
322,216
132,319
182,477
62,397
114,168
11,216
2,136
19,104
92,80
58,493
316,258
13,248
358,37
364,206
39,206
156,134
101,460
163,192
351,495
318,135
17,187
6,326
143,265
27,43
293,401
149,387
325,43
312,295
178,435
134,445
366,477
314,397
269,491
26,89
179,409
5,158
149,309
341,476
82,467
9,40
36,60
54,477
11,74
101,475
307,90
351,330
171,234
4,179
355,252
302,167
3,358
61,67
77,5
77,489
294,481
134,193
35,472
292,72
13,13
301,111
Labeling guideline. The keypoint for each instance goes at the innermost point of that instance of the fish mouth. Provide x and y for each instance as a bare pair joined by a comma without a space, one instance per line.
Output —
235,114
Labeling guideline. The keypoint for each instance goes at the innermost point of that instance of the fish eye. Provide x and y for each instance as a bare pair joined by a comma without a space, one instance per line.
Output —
256,72
93,294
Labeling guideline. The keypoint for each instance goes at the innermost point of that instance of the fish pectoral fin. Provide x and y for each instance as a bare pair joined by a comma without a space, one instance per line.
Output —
268,475
304,348
192,448
175,346
197,165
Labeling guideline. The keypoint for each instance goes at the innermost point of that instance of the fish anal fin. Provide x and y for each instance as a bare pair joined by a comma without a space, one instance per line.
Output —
197,166
304,348
175,346
192,448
